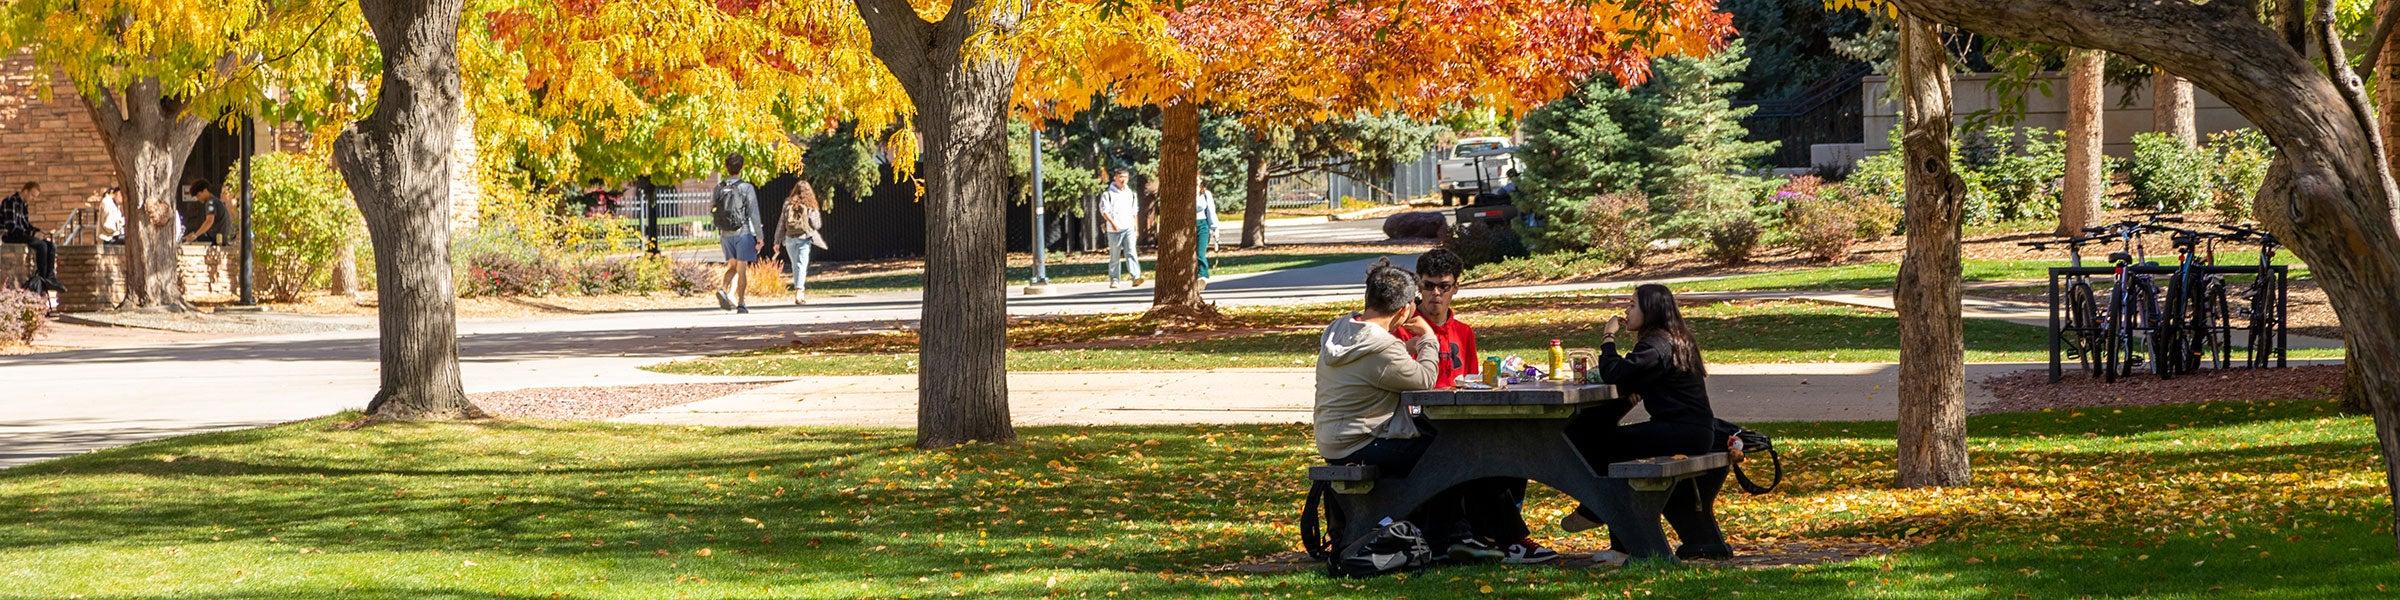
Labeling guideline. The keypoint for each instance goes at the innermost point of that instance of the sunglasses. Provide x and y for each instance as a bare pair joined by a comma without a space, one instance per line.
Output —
1439,286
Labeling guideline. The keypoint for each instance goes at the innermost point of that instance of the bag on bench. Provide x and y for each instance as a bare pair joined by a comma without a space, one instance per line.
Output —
1394,545
1741,442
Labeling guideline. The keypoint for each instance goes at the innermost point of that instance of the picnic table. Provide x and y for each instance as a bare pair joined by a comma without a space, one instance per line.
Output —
1520,432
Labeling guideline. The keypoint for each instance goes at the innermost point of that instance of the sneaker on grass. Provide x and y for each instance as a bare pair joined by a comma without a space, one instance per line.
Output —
1471,549
1528,552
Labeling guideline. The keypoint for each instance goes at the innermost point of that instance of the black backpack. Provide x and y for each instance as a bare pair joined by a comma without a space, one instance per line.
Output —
727,220
1394,545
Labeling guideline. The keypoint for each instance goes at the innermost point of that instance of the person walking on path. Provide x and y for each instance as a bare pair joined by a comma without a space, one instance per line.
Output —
734,208
1206,211
1120,213
801,220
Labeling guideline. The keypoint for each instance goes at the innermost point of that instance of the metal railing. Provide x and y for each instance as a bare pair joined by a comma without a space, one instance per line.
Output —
681,214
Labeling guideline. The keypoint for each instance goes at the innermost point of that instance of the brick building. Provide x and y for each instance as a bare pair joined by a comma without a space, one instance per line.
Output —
47,136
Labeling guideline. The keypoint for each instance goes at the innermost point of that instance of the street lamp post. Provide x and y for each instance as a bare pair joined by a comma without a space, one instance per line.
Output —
1040,284
249,147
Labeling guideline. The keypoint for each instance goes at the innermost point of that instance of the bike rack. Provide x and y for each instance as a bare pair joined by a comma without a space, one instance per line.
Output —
2282,306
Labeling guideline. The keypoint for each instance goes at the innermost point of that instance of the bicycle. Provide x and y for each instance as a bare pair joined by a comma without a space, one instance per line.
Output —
2196,325
2264,300
2132,307
2079,313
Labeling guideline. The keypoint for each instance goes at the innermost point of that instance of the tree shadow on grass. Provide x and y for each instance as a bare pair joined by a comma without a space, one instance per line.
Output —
842,506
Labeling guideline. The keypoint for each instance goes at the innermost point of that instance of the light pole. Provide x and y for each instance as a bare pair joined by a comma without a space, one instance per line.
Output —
1040,283
249,146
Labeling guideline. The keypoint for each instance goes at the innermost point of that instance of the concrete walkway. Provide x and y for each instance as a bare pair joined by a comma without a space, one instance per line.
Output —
1746,393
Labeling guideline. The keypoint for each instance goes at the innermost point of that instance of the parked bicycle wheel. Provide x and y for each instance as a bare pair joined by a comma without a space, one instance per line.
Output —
2083,327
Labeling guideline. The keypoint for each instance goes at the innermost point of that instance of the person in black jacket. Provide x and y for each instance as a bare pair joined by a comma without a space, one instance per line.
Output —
1665,374
16,227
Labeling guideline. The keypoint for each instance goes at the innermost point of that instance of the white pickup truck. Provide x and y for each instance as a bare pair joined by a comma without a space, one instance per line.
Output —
1474,166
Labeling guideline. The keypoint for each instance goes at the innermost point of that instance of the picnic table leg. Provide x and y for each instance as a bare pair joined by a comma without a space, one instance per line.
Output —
1466,450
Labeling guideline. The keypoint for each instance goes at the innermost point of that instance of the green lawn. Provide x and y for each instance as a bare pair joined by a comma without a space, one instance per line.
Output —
2258,500
1087,268
1745,332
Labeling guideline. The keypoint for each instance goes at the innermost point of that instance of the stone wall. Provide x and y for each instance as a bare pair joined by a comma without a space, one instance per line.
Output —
94,277
2119,120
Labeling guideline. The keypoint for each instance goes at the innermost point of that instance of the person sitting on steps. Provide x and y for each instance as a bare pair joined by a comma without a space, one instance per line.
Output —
16,227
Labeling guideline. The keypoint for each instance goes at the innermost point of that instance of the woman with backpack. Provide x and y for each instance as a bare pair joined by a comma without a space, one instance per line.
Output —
1665,373
802,218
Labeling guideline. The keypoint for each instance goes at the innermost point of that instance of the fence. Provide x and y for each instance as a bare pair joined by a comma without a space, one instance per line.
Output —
1317,188
681,214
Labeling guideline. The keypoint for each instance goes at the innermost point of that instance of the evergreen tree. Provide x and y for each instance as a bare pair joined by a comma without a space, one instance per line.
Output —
1595,141
1700,147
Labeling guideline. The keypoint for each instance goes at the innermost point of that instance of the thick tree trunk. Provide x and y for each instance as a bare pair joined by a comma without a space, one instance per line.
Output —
1178,290
397,162
1933,381
2329,195
2085,181
2386,65
2171,107
962,112
1254,198
148,137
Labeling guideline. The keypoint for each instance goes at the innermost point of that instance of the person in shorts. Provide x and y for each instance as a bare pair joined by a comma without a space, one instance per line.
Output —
734,207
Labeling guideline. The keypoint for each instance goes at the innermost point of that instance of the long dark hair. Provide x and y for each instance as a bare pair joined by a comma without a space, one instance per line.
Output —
1663,322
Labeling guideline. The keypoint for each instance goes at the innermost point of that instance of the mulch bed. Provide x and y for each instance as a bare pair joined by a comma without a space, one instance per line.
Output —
2031,390
600,403
1771,554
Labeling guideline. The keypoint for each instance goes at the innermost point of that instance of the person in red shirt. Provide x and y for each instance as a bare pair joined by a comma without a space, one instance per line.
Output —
1437,278
1437,281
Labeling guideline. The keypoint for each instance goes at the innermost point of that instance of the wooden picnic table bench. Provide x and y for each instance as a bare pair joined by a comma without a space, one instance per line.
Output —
1520,432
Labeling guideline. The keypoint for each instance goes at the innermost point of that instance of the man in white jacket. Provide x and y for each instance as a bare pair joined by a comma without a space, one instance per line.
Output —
1361,371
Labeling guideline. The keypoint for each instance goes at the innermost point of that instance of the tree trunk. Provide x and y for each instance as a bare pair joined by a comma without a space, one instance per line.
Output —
345,270
2171,108
2085,179
2330,193
397,162
2386,65
148,137
1178,289
1933,381
962,112
1254,196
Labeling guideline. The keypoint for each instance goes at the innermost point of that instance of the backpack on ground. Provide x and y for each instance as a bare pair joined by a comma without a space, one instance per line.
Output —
1742,442
1393,546
720,210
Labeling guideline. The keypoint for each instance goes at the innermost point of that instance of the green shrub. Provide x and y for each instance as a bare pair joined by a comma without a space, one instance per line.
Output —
21,315
2168,176
2019,184
1479,243
2009,178
1620,227
2241,159
1730,241
301,216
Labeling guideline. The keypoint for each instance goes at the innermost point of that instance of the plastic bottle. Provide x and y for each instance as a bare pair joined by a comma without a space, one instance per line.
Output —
1558,361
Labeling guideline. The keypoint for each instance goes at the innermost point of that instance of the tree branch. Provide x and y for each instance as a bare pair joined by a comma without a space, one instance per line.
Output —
2354,93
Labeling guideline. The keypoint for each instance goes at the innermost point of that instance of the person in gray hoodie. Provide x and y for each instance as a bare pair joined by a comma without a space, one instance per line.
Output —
1361,371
